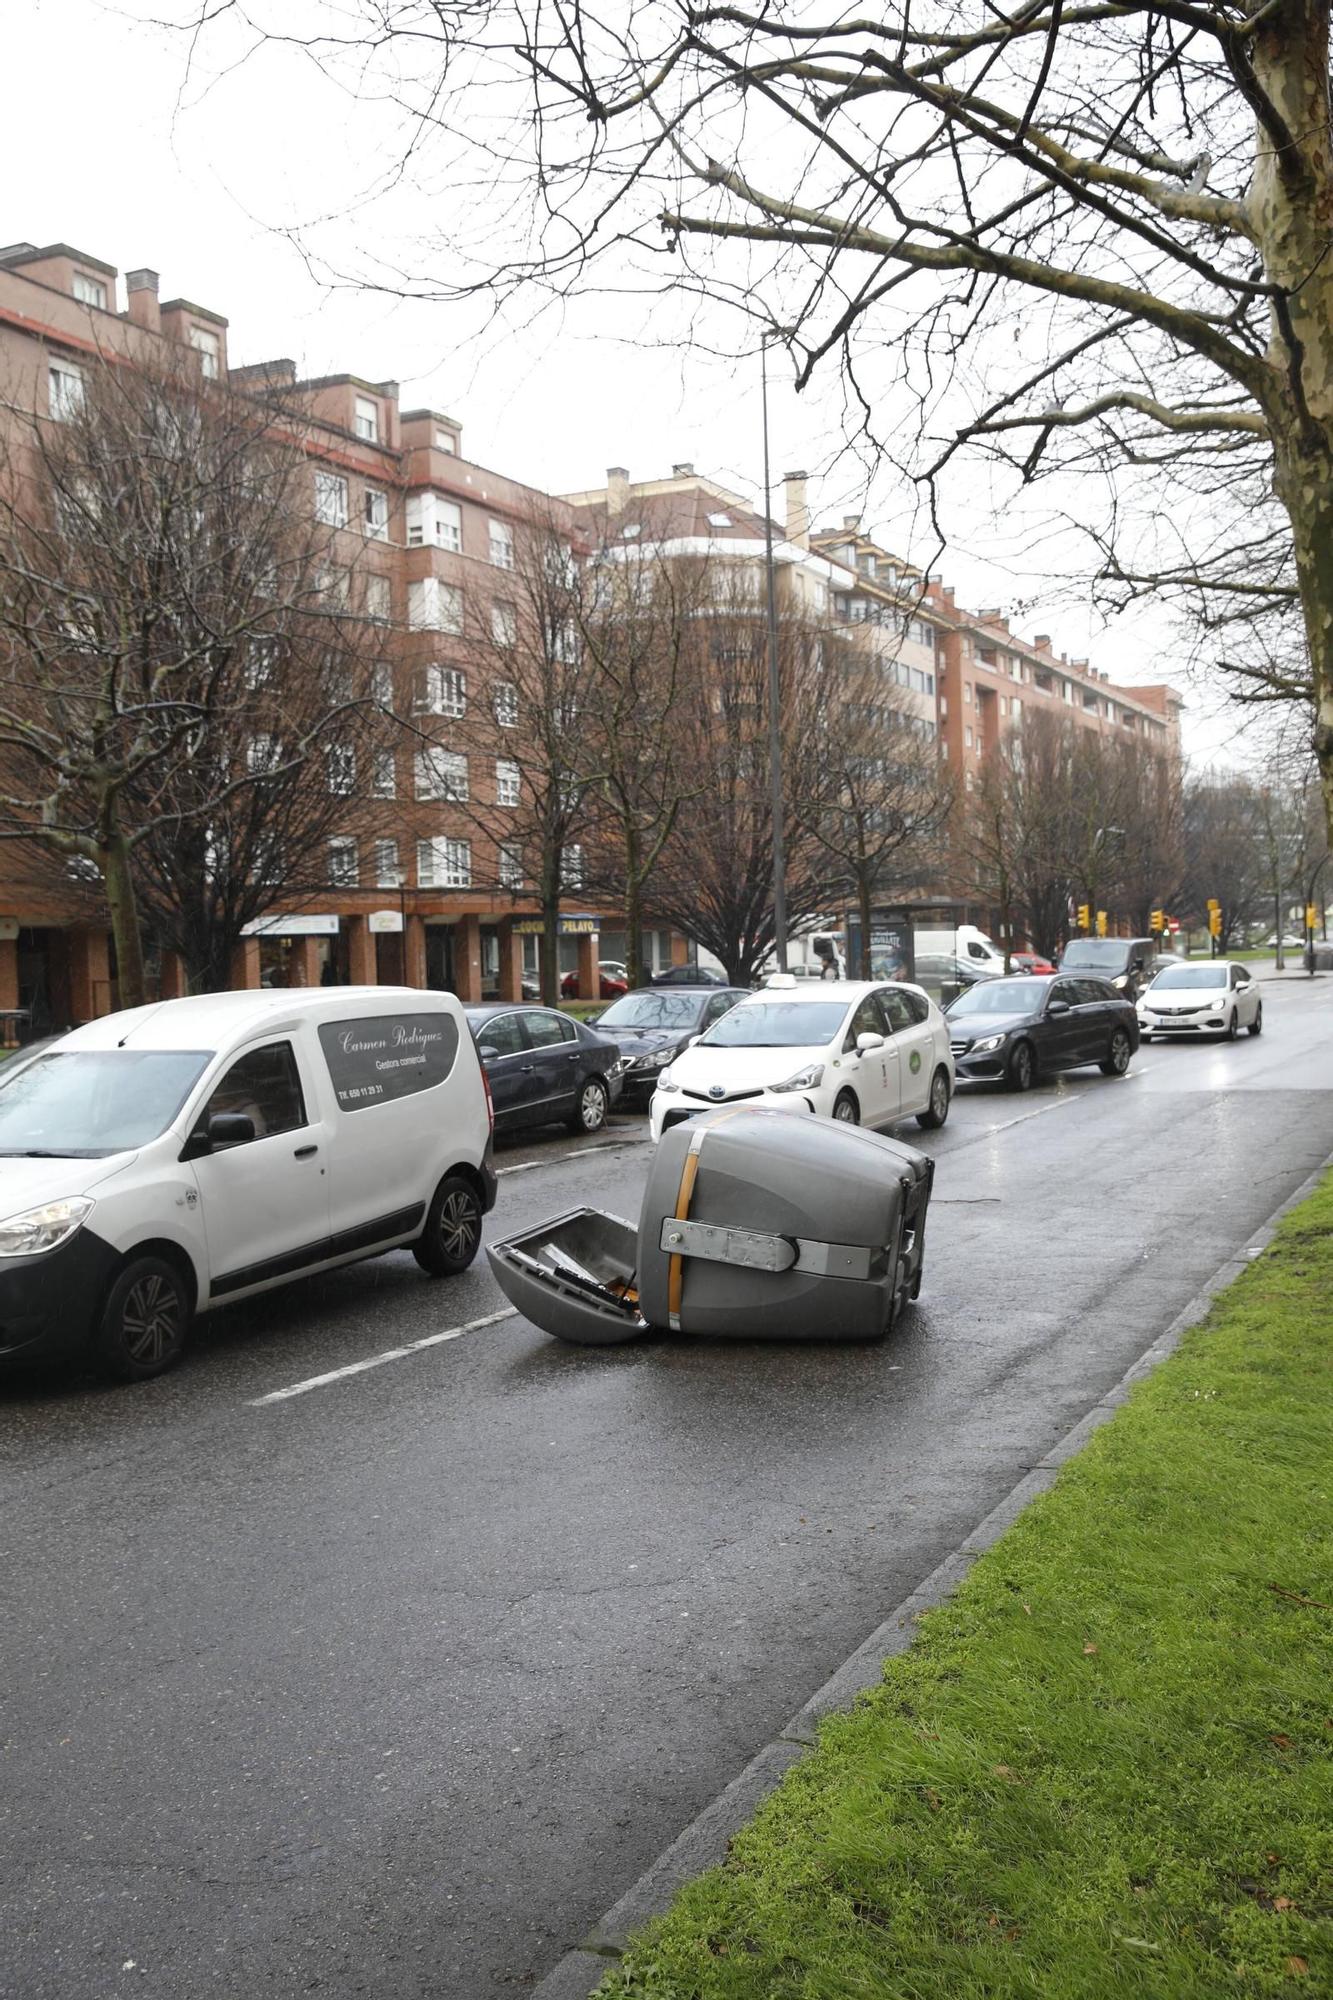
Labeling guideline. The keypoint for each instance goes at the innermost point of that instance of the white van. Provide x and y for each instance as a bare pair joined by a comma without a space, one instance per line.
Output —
964,941
176,1157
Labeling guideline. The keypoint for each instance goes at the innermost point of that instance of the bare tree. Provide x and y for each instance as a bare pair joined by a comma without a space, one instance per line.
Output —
875,794
527,724
1225,858
715,877
1157,178
158,555
635,633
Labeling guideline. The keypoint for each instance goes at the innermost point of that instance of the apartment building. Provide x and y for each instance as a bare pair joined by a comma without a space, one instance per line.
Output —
421,884
990,680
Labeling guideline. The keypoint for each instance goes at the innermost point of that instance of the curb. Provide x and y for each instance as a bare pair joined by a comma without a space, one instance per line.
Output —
703,1843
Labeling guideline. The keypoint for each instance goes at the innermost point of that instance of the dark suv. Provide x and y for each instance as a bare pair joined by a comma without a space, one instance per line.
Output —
1127,963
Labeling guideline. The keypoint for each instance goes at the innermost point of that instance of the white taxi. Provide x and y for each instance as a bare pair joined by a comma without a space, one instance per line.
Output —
865,1052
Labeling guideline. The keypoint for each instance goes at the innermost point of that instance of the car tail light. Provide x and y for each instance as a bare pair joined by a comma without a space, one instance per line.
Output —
490,1102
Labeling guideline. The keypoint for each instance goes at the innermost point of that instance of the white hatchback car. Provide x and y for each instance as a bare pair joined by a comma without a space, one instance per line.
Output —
860,1051
1213,997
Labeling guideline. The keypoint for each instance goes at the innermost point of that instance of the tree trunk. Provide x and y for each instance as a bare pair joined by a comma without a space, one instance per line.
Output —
550,946
863,907
118,880
1303,481
633,908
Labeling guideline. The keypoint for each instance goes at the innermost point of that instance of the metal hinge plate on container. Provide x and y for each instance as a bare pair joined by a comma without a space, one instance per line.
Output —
760,1250
756,1249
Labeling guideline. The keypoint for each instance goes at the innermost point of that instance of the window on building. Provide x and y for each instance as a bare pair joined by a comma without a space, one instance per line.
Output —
209,349
381,684
631,531
262,753
334,585
1004,706
501,544
434,606
433,521
445,441
719,520
366,422
386,864
66,389
504,624
90,291
261,662
944,705
443,692
384,781
442,774
375,508
444,864
508,781
331,499
967,694
379,601
967,780
504,703
510,866
340,769
571,867
967,735
344,868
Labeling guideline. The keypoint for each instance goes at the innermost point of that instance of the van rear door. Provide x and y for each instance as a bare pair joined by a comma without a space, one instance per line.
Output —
403,1111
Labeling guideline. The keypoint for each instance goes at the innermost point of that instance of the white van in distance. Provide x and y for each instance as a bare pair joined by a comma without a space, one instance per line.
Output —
964,941
172,1158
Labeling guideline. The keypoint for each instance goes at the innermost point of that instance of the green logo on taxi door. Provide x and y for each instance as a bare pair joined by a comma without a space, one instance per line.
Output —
915,1061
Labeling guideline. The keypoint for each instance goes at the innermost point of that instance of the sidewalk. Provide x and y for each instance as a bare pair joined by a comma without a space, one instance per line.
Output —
1105,1768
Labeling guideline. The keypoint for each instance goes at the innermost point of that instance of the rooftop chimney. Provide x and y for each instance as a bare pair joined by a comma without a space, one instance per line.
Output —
682,471
798,514
141,290
852,521
617,491
1042,642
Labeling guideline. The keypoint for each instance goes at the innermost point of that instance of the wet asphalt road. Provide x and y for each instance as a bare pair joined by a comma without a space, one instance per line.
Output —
392,1687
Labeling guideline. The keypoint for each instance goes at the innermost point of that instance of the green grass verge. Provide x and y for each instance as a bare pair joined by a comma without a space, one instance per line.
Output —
1105,1767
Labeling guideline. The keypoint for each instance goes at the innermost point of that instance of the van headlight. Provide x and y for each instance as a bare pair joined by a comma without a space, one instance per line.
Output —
44,1228
666,1081
808,1078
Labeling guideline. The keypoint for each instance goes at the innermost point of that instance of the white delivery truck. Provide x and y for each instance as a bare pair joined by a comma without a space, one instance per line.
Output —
172,1158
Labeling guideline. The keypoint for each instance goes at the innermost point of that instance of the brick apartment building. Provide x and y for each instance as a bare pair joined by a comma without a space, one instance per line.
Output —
422,884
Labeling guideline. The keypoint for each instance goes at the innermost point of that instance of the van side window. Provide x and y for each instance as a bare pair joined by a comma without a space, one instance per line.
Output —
264,1086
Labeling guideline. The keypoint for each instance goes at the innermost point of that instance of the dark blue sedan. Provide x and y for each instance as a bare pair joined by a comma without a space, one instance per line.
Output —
544,1067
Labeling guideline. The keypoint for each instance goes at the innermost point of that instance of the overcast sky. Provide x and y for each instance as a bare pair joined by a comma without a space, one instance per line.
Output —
253,188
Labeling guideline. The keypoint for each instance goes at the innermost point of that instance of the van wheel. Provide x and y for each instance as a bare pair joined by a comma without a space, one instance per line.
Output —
145,1320
589,1107
937,1110
847,1111
452,1235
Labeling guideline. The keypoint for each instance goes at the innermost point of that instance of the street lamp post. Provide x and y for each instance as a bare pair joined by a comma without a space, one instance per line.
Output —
774,691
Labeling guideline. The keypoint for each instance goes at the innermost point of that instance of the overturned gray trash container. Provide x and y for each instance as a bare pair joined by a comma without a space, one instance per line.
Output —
754,1225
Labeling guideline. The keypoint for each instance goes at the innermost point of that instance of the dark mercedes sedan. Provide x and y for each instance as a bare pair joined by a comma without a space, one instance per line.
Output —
1012,1031
544,1067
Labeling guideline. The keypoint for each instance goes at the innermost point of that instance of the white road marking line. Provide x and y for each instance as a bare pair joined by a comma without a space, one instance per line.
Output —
379,1360
577,1153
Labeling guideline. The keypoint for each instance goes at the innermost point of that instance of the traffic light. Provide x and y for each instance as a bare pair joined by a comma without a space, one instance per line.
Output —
1084,917
1157,922
1311,916
1101,923
1214,920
